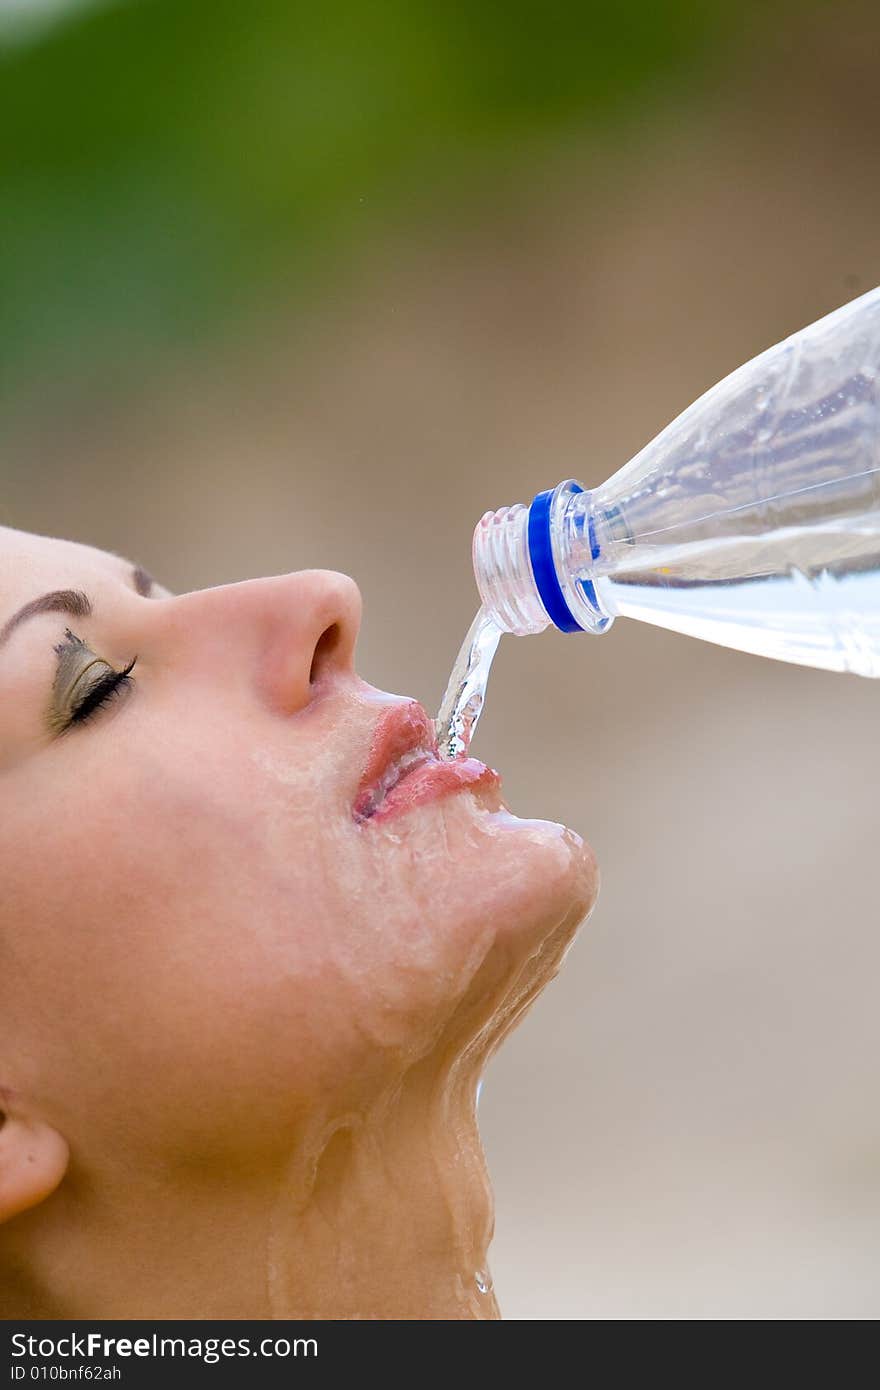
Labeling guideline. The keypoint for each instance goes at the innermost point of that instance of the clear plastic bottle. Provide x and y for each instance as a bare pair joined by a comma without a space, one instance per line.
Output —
752,520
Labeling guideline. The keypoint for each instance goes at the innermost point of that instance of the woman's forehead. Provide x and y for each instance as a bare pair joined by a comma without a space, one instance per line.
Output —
30,564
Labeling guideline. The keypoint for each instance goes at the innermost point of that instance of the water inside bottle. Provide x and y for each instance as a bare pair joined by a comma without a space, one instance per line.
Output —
462,703
809,596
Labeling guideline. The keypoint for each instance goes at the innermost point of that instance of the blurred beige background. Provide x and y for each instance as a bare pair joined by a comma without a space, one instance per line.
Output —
688,1123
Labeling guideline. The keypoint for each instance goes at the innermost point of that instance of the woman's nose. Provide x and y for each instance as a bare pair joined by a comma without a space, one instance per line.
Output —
295,633
317,616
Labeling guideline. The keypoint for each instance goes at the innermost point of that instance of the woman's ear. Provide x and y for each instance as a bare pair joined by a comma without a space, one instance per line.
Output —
33,1160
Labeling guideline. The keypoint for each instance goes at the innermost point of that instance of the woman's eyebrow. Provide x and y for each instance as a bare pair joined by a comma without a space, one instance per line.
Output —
142,581
72,601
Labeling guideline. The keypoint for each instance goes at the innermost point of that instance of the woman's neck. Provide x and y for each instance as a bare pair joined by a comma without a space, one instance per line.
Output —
395,1211
380,1213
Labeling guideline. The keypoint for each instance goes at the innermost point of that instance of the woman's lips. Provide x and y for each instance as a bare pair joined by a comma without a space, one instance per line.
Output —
429,781
403,769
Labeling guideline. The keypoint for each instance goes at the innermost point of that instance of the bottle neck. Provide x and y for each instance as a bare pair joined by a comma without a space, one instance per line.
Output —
533,565
503,571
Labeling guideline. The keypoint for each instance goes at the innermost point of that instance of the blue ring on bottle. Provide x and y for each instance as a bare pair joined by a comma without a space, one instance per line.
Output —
543,568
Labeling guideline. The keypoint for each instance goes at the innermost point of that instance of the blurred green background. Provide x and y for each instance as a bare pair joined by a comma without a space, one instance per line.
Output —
285,286
167,166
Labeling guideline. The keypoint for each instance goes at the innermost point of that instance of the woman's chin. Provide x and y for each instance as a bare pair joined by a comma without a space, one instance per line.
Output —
560,876
533,877
519,891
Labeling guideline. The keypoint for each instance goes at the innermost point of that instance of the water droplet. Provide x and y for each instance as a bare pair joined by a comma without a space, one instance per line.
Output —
483,1281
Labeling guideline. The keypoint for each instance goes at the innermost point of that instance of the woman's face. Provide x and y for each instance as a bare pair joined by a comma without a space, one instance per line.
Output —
217,912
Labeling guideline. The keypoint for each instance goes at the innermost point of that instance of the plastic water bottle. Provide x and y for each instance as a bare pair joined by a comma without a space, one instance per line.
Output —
752,520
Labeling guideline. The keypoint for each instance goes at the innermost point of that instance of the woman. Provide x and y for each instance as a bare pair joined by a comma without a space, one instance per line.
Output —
257,944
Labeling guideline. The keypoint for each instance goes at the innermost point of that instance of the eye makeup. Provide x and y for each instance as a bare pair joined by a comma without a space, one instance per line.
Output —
82,683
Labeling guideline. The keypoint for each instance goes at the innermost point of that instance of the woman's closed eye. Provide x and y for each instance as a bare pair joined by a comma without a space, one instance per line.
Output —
104,689
84,683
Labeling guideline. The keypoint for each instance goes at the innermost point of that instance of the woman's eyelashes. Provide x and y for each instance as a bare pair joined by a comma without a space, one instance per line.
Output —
107,688
84,683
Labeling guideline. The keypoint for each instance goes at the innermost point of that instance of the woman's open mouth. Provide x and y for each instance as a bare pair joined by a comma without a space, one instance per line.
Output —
404,770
